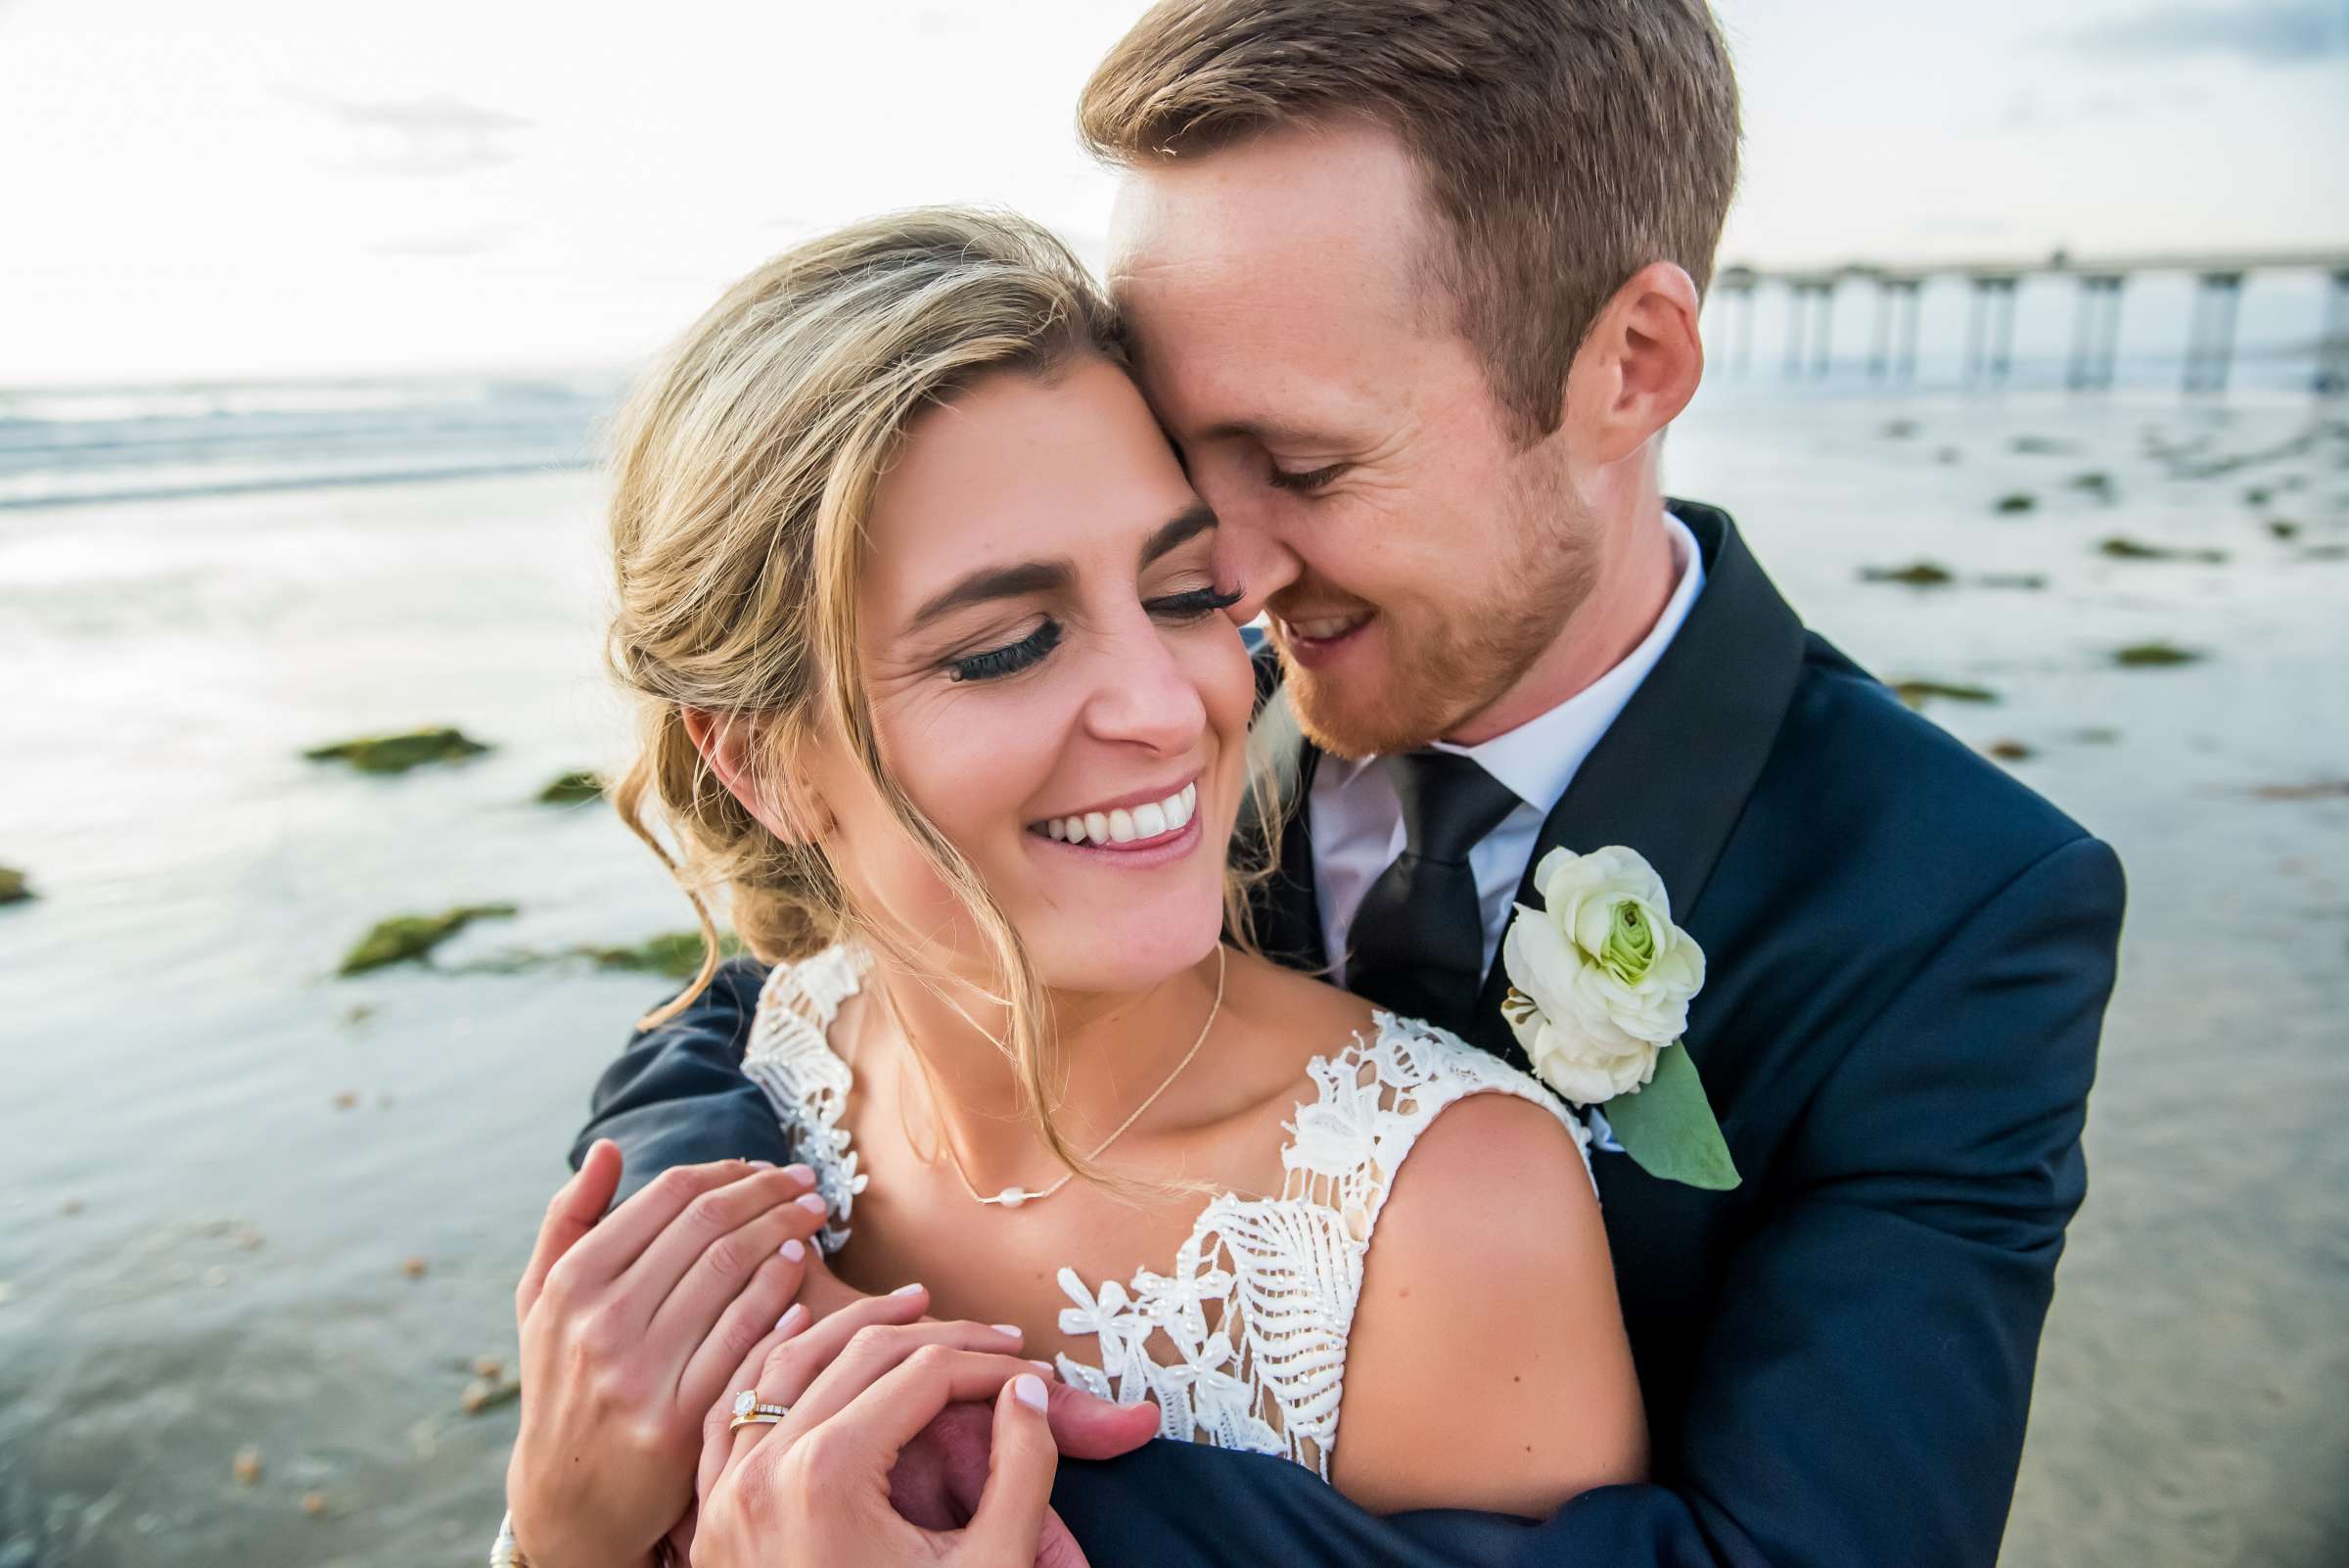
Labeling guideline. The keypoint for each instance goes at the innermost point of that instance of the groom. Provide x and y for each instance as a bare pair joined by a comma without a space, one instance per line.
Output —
1415,288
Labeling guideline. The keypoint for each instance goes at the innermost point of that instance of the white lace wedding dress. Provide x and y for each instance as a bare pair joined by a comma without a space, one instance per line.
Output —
1242,1343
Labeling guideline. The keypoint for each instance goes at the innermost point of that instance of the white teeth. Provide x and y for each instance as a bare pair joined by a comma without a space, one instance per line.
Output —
1128,824
1319,631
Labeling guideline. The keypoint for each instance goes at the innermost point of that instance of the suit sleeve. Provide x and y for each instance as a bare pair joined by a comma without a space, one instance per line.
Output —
677,1096
1861,1389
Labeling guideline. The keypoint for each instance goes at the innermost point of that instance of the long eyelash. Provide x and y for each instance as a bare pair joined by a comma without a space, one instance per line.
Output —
1194,605
1282,478
997,663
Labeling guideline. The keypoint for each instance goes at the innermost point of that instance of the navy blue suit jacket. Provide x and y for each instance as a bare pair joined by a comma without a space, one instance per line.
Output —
1908,960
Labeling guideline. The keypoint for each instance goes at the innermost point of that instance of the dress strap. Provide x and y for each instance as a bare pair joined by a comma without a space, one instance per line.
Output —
790,1057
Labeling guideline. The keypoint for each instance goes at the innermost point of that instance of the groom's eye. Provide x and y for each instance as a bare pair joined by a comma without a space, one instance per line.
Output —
1304,481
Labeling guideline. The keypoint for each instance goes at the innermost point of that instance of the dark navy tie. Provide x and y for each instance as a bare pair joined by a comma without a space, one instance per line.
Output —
1417,944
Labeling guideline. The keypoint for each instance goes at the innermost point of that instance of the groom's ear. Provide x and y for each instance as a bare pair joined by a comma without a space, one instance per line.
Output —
736,749
1638,366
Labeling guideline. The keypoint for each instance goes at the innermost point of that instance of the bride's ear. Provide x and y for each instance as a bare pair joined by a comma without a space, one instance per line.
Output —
789,807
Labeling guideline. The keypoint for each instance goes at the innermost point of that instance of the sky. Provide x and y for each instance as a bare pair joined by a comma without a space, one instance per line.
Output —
258,188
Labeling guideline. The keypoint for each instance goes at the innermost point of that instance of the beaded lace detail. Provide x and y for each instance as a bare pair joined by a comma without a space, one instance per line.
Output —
1243,1342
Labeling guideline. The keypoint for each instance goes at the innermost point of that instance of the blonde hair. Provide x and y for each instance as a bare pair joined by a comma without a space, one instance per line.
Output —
743,471
1565,144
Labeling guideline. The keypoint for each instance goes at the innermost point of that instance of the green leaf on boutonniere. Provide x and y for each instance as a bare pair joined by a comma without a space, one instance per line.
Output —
1668,1127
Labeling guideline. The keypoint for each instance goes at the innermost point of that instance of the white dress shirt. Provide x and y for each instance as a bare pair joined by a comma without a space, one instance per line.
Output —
1355,820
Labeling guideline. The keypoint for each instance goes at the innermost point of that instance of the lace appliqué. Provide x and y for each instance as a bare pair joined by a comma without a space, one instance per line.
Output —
1243,1343
806,1083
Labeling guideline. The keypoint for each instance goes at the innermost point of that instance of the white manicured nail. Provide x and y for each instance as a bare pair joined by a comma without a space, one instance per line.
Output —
794,1319
906,1290
1029,1389
811,1202
1012,1329
793,1250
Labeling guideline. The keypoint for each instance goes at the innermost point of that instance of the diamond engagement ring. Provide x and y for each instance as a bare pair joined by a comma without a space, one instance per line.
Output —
749,1411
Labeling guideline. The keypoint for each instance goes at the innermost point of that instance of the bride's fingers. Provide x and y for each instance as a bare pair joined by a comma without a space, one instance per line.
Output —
732,1227
748,1263
573,1211
862,1435
718,1442
749,1321
606,1252
874,1352
792,1367
1010,1521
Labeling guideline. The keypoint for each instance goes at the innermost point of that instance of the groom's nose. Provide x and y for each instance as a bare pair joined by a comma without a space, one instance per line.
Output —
1251,554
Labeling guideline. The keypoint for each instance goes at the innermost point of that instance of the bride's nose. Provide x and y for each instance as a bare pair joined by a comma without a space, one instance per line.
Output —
1143,695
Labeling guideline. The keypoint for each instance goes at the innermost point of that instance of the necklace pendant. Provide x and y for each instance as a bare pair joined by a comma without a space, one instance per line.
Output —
1011,1197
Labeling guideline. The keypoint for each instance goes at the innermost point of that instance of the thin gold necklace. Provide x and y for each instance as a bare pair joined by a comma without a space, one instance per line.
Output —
1012,1197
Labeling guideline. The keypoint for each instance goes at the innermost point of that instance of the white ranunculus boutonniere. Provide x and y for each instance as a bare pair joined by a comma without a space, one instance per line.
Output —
1600,979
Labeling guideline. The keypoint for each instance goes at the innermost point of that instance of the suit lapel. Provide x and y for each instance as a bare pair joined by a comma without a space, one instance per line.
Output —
1671,775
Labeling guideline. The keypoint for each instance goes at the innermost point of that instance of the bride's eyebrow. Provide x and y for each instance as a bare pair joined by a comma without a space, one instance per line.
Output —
1188,524
1051,576
995,583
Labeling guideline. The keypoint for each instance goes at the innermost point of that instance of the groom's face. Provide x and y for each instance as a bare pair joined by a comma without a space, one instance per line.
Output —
1291,331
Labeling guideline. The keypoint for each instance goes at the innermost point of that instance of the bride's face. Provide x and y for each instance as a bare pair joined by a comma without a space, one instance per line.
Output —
1044,643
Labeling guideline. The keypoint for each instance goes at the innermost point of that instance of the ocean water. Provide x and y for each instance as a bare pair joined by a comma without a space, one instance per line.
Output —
244,1203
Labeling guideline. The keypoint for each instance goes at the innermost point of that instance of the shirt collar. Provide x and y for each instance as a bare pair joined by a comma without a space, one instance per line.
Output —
1539,759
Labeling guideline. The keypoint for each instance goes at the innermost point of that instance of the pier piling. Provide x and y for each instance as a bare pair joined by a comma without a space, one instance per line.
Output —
2210,336
2333,348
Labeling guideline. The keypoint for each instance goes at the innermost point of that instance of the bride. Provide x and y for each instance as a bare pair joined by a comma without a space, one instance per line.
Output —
941,689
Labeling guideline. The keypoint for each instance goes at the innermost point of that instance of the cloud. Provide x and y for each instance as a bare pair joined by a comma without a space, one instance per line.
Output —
2263,32
435,136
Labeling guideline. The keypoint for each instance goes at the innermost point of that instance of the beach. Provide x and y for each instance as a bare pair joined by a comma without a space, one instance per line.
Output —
251,1209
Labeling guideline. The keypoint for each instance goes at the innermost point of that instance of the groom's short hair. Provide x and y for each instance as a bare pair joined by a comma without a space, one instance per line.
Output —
1565,144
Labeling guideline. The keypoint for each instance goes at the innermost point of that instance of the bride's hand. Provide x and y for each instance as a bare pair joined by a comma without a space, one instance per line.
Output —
631,1325
860,1385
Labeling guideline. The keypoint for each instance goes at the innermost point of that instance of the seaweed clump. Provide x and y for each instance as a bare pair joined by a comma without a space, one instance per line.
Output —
1917,574
2156,655
676,954
397,754
571,789
12,886
2122,548
1917,693
405,939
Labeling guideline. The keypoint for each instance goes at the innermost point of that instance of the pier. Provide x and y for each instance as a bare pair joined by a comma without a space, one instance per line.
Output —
2217,285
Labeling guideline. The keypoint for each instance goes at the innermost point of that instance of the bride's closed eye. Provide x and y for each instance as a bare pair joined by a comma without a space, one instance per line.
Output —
994,664
1195,605
1008,660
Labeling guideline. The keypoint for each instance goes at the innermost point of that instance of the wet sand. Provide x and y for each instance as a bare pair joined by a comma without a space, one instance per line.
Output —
244,1202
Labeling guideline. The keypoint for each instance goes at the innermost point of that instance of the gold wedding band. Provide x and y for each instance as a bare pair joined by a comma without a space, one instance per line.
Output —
750,1411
